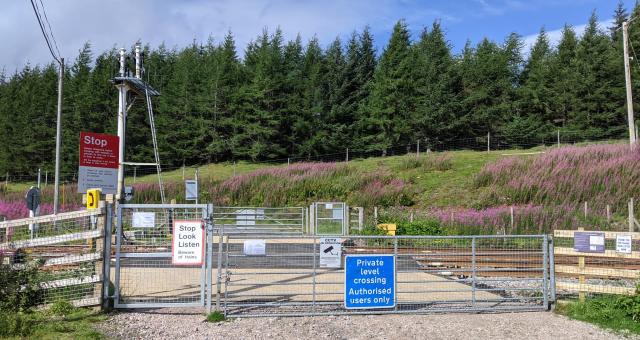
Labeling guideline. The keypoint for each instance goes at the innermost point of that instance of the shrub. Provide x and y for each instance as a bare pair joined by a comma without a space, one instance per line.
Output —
14,324
19,290
216,317
61,308
631,305
428,226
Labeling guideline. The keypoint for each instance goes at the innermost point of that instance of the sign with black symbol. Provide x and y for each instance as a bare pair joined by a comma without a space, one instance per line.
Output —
330,252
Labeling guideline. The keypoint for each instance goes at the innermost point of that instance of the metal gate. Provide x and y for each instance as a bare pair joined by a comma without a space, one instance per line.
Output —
261,220
330,218
433,274
144,274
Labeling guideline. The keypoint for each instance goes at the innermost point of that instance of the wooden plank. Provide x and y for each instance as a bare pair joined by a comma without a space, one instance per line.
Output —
94,301
44,241
607,253
70,282
71,259
591,271
51,218
610,235
591,288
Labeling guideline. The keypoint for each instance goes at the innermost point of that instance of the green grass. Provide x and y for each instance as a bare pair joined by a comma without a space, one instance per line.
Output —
215,317
77,323
604,311
452,186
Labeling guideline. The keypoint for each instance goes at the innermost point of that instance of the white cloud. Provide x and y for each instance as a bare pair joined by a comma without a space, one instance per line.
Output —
122,22
556,34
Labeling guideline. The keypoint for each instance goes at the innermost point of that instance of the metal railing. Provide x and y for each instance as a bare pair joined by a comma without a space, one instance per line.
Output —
433,274
260,220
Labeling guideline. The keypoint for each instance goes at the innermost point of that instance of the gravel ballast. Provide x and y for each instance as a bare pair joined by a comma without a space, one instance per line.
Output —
183,324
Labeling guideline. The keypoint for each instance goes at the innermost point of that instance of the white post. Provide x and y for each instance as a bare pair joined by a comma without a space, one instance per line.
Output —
183,170
585,209
627,78
46,178
418,149
288,161
234,168
6,181
360,218
56,189
558,137
512,220
347,159
135,168
39,172
488,141
375,215
608,213
122,119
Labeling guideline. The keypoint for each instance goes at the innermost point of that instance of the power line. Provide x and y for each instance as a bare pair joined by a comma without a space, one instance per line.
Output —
44,33
55,43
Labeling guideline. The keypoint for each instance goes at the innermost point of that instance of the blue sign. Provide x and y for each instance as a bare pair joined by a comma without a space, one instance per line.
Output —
588,242
370,281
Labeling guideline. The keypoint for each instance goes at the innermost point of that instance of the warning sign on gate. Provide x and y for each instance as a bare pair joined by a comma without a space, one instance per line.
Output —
188,243
370,281
330,252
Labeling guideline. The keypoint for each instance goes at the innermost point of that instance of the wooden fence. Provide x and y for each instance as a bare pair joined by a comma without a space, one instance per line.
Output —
614,270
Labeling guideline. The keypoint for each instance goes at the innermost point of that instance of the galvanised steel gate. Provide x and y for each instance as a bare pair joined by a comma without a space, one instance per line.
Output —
433,274
144,276
261,220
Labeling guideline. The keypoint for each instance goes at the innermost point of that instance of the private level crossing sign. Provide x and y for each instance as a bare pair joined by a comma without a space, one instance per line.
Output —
370,281
99,162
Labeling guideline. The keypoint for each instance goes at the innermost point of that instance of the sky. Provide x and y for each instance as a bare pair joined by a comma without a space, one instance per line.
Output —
120,23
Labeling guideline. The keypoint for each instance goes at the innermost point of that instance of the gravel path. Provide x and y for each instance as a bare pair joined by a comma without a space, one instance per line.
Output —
181,324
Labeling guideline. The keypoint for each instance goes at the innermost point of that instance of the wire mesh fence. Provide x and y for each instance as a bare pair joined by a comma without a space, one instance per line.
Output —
261,220
64,252
433,274
144,274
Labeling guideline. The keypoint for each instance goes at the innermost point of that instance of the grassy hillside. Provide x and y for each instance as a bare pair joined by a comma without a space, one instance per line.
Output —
545,187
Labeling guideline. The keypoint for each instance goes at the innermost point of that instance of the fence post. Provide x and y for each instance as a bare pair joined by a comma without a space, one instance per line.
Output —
545,268
375,215
558,137
512,222
473,270
418,149
209,223
411,217
488,142
631,216
552,270
313,306
106,255
39,178
586,209
581,278
395,256
219,275
608,213
360,218
347,159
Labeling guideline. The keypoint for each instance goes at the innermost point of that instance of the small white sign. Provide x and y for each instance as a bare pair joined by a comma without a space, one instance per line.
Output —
191,190
623,244
328,206
255,247
188,243
144,220
330,252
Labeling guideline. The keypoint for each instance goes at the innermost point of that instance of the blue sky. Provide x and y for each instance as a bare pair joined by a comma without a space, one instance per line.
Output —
106,24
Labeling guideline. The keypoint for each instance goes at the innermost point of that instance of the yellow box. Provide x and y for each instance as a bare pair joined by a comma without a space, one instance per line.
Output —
93,198
390,228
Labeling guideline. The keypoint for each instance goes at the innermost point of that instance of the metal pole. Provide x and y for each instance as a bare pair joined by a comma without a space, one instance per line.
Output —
122,120
46,178
473,268
545,268
137,49
210,262
418,149
106,257
56,189
552,270
39,172
347,155
313,306
219,277
558,137
627,78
